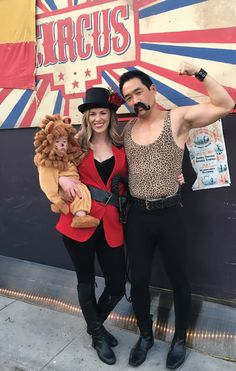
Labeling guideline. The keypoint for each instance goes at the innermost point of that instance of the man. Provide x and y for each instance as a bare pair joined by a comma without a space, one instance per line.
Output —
154,144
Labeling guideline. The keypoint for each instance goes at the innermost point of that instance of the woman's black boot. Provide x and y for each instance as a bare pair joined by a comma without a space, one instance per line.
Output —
139,352
88,305
105,306
177,351
100,344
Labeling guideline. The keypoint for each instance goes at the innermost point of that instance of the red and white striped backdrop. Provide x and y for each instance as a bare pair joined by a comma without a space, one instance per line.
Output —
86,43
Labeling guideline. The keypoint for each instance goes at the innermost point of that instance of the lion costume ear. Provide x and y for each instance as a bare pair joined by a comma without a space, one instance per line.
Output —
49,127
66,120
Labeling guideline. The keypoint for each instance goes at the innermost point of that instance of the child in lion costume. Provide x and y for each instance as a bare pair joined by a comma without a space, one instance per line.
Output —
58,154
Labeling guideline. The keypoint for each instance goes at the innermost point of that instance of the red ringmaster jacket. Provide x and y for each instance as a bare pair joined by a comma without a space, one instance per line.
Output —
108,213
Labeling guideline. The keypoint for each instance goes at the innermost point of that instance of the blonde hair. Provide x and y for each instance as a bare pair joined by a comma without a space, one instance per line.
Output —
86,133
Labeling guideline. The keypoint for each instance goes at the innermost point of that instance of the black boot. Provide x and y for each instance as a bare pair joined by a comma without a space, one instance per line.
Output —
138,353
112,341
88,305
105,306
177,352
104,351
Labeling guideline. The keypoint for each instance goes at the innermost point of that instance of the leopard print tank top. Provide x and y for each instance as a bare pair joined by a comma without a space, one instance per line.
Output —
153,168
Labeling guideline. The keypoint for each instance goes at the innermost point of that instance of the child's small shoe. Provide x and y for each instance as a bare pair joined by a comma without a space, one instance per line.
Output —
86,221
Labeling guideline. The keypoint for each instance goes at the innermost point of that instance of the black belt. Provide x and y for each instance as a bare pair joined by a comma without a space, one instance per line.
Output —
104,197
159,203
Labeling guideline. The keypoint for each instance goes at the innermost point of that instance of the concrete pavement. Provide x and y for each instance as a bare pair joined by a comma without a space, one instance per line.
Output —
35,338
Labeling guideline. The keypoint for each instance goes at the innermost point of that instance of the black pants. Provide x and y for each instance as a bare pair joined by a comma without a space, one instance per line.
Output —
145,231
111,260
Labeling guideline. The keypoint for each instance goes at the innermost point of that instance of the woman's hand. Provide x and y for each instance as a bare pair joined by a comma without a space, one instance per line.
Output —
180,179
70,187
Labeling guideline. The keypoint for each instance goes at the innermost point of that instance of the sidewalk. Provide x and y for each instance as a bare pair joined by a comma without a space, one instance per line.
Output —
38,338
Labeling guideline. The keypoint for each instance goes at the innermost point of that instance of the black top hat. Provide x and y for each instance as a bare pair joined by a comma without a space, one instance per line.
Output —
97,98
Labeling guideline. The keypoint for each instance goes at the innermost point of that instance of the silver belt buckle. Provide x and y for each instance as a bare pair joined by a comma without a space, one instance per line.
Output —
146,204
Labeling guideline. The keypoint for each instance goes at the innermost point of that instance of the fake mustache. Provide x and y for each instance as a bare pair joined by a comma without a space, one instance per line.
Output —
142,105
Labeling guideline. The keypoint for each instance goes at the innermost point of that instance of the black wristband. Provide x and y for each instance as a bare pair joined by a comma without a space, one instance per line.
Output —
200,75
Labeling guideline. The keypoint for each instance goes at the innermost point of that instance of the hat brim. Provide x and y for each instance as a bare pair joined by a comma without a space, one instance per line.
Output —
86,106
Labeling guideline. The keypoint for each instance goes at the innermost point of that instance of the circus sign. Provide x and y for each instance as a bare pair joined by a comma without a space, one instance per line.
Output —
76,45
92,42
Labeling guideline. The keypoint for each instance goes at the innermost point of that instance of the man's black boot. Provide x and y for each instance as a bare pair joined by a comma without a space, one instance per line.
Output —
177,352
88,305
138,353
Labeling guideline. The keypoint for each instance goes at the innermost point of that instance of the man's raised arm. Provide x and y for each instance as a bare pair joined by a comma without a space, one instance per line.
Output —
220,102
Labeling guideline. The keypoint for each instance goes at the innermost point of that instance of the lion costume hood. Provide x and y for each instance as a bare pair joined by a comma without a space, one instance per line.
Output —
52,128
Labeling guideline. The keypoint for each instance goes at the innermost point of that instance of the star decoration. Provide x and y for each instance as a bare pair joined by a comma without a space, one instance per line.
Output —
61,76
75,84
88,73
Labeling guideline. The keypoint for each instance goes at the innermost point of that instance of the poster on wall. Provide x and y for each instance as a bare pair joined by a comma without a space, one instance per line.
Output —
80,44
208,157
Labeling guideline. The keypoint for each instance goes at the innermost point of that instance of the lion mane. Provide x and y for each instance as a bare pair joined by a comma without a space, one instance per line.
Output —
52,128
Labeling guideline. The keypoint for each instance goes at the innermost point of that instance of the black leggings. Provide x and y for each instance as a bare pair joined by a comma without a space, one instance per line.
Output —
145,231
111,260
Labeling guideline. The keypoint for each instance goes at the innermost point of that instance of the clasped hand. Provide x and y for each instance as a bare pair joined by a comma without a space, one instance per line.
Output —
70,187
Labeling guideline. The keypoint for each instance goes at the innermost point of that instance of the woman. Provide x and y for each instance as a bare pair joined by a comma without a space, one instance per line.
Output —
103,159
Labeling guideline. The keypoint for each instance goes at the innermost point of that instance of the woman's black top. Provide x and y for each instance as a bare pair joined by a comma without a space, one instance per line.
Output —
105,168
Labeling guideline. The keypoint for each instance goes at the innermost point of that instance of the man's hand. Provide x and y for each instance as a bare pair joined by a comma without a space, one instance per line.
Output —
70,187
180,179
188,69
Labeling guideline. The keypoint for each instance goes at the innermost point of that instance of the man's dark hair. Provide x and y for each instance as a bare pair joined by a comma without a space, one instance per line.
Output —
145,79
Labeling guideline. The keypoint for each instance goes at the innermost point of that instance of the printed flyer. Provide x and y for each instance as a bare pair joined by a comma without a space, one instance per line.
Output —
208,156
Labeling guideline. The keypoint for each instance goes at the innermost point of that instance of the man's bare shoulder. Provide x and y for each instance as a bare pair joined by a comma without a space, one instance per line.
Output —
177,111
130,122
177,114
180,125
